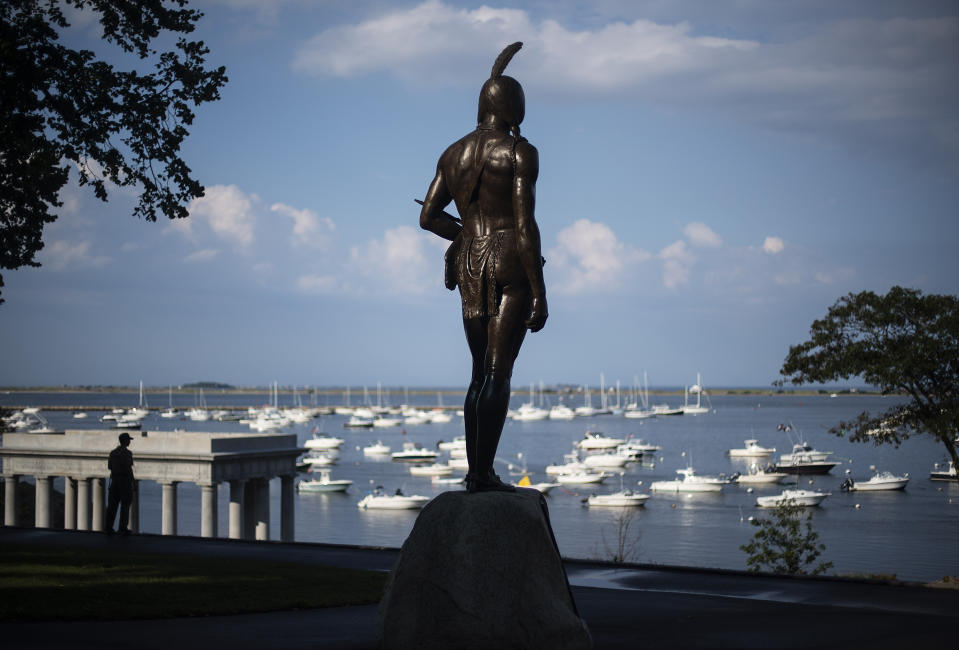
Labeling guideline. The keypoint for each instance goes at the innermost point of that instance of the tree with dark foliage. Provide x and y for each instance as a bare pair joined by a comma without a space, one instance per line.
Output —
904,343
61,107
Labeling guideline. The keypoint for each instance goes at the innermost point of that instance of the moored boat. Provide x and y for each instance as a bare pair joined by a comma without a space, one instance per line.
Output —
878,481
324,483
805,498
623,499
379,500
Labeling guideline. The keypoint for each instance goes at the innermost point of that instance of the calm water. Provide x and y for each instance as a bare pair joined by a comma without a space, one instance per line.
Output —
911,534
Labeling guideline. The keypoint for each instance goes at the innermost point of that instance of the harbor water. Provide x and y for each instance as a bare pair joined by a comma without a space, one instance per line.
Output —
911,534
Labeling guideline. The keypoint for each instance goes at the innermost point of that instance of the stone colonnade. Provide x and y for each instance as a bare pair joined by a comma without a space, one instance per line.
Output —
246,462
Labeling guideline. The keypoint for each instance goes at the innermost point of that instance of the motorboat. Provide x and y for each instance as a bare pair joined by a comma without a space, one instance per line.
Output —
805,452
436,469
414,418
607,460
79,415
637,445
528,413
440,416
414,452
324,484
561,412
543,488
805,465
376,449
571,465
752,450
665,409
948,474
459,462
447,480
358,422
323,442
625,498
761,476
320,458
799,497
878,481
593,440
459,442
379,500
584,477
169,413
689,481
383,421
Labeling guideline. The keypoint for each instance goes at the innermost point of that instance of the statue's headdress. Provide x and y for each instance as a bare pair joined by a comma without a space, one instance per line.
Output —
502,95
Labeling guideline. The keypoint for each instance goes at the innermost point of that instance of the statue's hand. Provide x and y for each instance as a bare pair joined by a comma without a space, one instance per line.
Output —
538,314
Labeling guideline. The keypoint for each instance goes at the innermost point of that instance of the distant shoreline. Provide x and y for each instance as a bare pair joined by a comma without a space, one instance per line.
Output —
785,392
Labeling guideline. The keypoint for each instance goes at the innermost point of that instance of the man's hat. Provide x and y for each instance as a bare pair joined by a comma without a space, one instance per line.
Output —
125,436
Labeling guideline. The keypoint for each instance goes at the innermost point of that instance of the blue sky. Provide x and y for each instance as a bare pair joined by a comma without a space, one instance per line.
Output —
713,177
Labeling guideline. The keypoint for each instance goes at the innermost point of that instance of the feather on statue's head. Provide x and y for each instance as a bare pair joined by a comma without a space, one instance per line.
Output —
501,95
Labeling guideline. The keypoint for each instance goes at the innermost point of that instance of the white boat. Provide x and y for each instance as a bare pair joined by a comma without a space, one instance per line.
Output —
440,416
358,422
690,481
383,421
698,408
415,418
459,442
586,410
169,413
376,449
323,442
543,488
328,457
799,497
585,477
666,409
759,475
79,415
595,440
752,449
804,452
561,412
413,452
436,469
571,465
378,500
878,481
324,484
805,465
625,498
607,460
947,474
633,412
638,445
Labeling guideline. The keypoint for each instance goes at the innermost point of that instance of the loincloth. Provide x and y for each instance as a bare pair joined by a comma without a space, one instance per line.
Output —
476,265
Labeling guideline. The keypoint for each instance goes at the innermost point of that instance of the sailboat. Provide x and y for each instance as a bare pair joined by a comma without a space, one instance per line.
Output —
689,409
529,411
633,410
170,412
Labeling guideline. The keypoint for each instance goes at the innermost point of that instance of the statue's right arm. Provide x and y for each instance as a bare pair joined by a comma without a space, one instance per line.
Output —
432,216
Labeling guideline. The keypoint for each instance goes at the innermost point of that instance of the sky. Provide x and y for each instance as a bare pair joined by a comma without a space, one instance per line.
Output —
713,176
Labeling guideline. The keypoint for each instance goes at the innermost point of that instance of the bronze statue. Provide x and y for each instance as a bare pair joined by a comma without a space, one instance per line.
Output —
495,257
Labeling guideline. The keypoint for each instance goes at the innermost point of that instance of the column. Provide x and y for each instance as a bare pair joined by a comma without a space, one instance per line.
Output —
10,500
168,526
69,503
99,504
134,523
208,510
262,509
286,508
237,489
83,504
249,509
42,511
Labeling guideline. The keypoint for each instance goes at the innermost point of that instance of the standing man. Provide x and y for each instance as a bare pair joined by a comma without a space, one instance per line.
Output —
495,257
121,485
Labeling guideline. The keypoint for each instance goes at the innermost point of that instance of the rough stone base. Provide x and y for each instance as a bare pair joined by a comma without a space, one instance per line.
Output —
481,571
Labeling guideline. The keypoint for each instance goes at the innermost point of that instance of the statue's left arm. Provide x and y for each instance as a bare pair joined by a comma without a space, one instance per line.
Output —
432,216
528,240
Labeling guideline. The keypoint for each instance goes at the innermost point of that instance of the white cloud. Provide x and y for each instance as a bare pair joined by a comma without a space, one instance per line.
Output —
309,229
773,245
315,283
61,254
591,258
227,210
702,236
863,82
202,255
677,261
398,263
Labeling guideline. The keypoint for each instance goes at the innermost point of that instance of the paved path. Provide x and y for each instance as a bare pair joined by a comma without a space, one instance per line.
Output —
635,607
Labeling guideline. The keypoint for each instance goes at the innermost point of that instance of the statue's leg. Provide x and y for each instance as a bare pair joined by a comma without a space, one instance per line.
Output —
476,334
505,336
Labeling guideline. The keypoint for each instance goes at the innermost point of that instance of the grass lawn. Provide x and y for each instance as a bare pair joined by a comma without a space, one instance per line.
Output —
73,584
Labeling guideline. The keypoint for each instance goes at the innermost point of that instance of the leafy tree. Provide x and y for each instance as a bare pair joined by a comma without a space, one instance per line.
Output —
903,342
779,546
61,107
